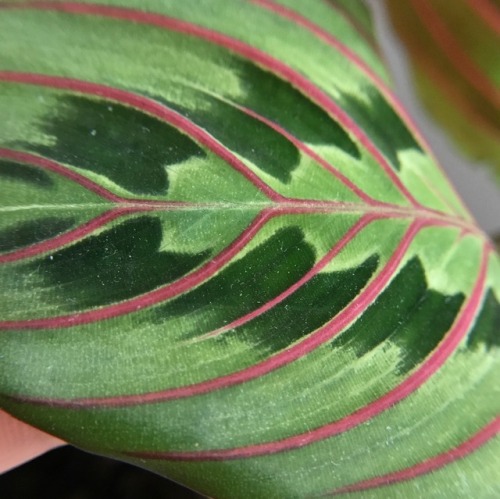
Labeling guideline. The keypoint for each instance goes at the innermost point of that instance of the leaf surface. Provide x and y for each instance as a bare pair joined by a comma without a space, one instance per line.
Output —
228,256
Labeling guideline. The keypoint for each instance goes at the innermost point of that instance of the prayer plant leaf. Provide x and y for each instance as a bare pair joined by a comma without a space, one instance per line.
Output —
453,48
228,256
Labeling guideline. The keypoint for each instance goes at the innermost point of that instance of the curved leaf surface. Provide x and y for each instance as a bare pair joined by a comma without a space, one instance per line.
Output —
228,256
453,47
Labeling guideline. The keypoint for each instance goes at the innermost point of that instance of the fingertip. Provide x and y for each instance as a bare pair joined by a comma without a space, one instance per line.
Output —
20,442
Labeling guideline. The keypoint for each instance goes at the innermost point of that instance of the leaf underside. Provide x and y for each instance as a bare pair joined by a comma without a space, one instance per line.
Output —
228,256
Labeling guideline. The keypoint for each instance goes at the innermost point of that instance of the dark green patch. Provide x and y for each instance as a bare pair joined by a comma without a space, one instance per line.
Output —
117,264
407,314
128,146
426,327
391,309
279,101
33,231
25,173
486,330
247,136
381,123
246,284
306,310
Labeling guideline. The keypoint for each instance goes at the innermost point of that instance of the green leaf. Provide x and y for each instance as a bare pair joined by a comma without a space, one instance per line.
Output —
453,48
228,256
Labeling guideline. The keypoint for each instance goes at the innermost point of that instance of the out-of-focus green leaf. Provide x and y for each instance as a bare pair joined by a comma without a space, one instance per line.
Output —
228,257
453,47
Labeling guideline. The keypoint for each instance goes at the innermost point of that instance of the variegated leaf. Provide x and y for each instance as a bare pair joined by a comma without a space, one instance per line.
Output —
228,256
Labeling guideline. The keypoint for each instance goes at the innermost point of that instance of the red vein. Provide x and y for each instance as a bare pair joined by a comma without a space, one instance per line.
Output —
431,464
451,47
357,61
337,248
251,53
66,238
407,387
351,56
153,297
488,12
314,340
149,106
166,292
63,170
23,157
126,206
316,157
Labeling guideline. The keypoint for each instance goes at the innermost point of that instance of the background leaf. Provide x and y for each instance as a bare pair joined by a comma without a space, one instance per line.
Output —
229,257
454,54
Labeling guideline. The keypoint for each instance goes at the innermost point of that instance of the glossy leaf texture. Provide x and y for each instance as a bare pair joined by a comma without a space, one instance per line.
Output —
453,48
228,256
